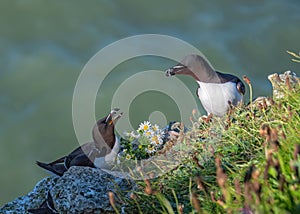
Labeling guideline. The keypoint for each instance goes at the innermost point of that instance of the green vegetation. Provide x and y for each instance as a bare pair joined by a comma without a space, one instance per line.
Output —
248,162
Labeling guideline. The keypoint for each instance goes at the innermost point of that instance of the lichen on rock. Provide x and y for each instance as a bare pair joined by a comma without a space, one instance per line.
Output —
86,189
79,190
33,199
279,83
288,79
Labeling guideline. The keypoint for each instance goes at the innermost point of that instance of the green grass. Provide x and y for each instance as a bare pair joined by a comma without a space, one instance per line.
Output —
248,161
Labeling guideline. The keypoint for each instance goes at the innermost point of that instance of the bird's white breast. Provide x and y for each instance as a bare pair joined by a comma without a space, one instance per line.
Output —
215,96
103,162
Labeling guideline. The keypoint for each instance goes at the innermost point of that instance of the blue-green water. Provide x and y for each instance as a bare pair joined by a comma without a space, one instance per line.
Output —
45,44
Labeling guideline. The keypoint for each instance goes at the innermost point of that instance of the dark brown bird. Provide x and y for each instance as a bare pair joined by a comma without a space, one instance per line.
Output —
102,151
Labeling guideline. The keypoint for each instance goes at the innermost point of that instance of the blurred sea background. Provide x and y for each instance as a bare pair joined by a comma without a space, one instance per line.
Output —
44,45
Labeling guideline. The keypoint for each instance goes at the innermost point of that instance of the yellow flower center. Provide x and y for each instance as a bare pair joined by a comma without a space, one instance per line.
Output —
154,138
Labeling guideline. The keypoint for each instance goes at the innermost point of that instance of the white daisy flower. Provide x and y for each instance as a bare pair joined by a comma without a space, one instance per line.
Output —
150,149
155,128
134,134
154,138
145,126
148,134
156,141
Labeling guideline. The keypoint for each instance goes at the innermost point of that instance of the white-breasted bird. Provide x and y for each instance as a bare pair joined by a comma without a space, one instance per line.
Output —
98,153
216,90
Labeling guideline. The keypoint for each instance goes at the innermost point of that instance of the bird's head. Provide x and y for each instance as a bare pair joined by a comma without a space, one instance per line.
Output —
192,65
241,87
103,131
178,69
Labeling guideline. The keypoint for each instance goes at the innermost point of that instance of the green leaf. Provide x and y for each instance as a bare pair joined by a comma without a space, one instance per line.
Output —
164,202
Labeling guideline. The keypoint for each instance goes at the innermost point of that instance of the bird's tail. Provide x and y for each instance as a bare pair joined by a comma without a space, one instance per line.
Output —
47,207
44,210
57,167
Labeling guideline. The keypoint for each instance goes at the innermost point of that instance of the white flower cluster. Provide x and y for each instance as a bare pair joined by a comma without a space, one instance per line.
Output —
153,134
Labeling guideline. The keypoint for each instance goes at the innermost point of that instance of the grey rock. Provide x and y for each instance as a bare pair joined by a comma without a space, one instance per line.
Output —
32,200
85,189
279,82
79,190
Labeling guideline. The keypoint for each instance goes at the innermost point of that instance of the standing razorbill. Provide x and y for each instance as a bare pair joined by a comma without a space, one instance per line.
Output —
216,90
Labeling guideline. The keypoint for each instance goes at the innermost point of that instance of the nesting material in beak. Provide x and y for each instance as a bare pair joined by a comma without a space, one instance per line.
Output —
113,116
177,68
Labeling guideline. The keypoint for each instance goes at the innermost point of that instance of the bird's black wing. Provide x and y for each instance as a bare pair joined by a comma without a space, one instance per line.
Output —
227,77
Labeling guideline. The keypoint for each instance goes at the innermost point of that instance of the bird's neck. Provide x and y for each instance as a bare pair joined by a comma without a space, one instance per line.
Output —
106,139
206,76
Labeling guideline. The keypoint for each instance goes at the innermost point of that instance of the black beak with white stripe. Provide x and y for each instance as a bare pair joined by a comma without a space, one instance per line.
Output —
177,69
216,90
105,145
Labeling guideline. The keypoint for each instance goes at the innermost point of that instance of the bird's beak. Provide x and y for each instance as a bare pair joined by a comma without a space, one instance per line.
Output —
113,116
175,70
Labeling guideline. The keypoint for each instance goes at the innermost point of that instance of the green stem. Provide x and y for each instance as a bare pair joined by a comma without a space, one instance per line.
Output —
251,97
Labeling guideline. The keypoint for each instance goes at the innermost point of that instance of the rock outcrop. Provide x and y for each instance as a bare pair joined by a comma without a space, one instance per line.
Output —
278,82
79,190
